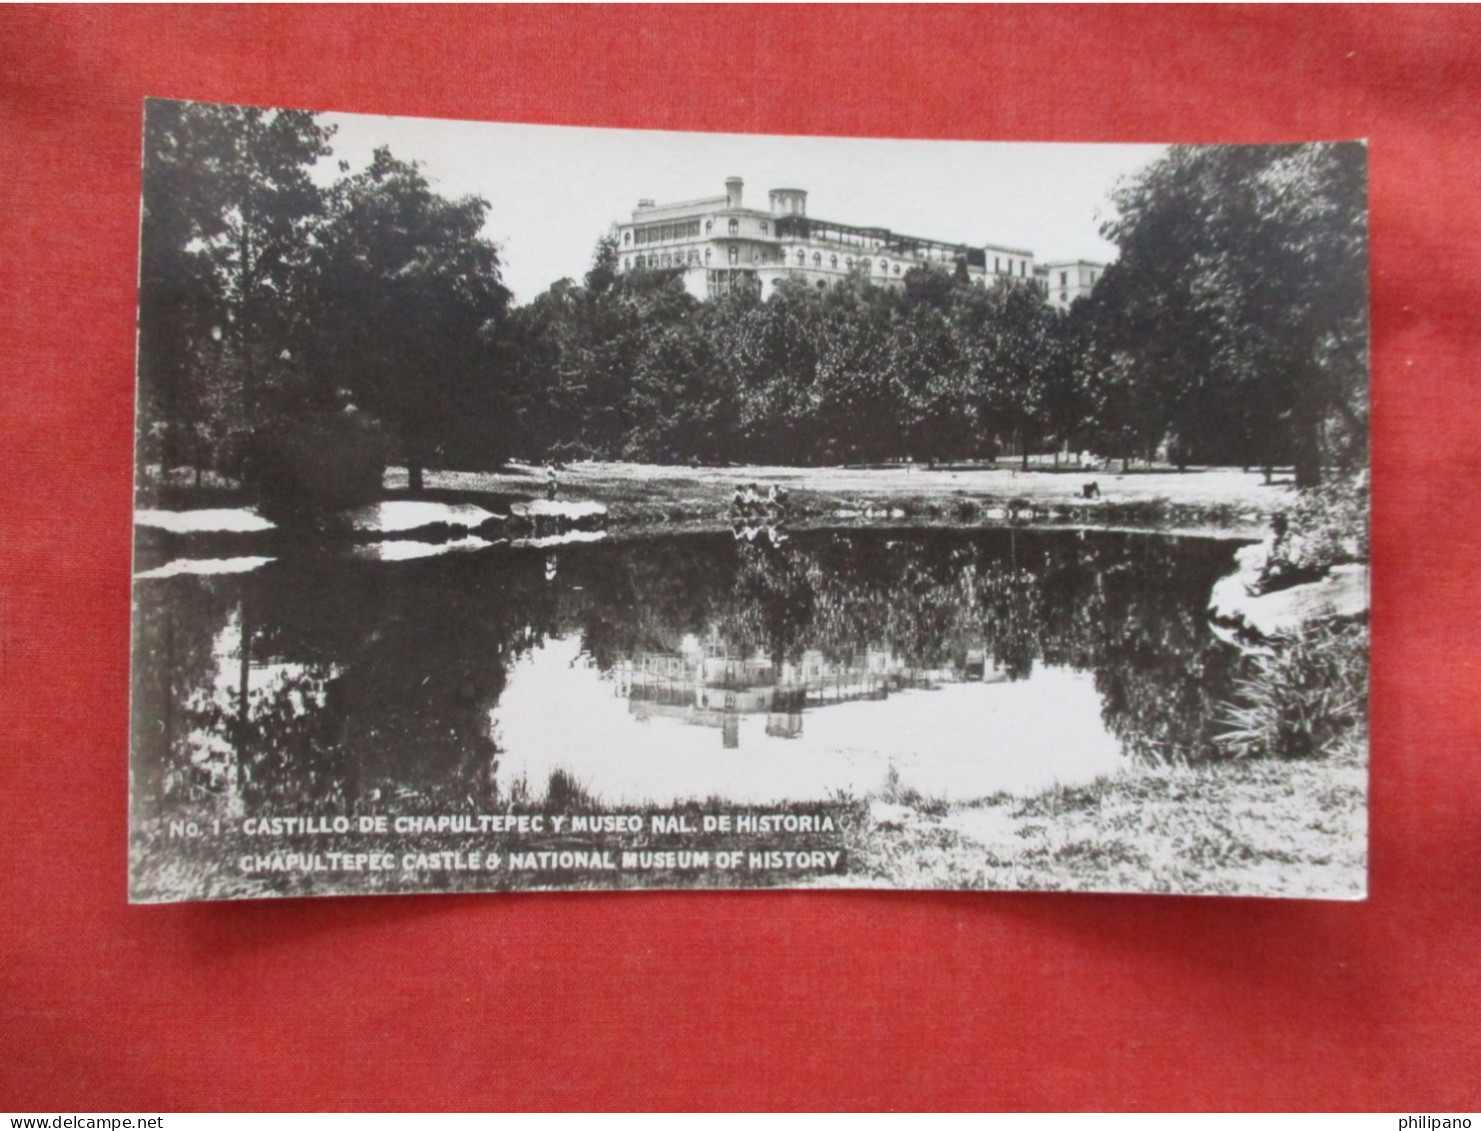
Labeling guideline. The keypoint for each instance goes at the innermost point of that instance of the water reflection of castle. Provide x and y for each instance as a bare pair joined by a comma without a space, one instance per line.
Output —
709,684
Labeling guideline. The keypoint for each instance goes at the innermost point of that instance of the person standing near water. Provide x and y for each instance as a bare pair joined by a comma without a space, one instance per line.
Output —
552,483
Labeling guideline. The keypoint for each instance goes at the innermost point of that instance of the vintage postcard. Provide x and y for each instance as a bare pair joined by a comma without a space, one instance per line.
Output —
526,507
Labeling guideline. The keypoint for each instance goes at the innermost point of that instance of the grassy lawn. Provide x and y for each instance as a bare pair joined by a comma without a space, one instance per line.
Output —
1258,827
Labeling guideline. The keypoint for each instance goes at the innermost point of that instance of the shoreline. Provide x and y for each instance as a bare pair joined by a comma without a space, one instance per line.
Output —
650,498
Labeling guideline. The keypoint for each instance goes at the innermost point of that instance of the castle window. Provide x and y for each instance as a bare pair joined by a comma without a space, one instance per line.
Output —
708,225
627,237
897,268
1064,278
849,262
734,227
627,264
884,267
817,259
833,261
707,255
801,258
764,228
734,255
997,266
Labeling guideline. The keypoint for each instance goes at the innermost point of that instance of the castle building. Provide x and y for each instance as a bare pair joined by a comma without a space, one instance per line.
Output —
1064,282
710,684
719,245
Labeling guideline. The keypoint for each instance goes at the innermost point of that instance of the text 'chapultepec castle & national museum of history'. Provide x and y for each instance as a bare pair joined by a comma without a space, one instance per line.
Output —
720,245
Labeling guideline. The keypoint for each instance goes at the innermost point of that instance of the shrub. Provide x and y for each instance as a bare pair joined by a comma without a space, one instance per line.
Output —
565,791
316,462
1303,699
1327,526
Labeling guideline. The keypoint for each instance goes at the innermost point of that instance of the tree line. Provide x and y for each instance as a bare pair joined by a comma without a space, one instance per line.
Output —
293,329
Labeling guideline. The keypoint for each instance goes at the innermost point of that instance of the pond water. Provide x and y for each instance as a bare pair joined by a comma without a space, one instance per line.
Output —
664,669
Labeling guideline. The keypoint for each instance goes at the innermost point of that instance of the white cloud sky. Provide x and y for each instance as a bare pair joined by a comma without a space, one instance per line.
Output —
555,189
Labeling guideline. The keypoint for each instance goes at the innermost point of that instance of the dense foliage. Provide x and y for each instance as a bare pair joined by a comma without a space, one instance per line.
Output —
1240,304
1306,696
1327,526
269,302
636,368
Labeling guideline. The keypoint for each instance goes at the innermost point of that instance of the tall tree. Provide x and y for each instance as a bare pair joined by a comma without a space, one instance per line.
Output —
1010,345
228,202
1244,287
932,372
603,276
411,302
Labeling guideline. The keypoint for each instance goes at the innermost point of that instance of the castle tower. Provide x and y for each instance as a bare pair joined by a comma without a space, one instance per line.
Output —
788,202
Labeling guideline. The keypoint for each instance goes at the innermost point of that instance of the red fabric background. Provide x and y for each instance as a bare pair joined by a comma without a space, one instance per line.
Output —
769,999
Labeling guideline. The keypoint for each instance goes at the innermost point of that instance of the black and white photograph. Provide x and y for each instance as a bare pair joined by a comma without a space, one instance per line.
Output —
528,507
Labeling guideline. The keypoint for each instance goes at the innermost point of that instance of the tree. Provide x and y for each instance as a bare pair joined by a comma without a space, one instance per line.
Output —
1243,284
632,366
771,351
546,398
228,204
860,395
1126,407
1011,346
411,305
603,276
939,418
262,249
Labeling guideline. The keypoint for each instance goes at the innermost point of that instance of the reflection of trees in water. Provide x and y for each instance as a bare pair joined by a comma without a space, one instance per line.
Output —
362,681
643,596
1128,608
774,599
175,627
369,680
422,656
1158,668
